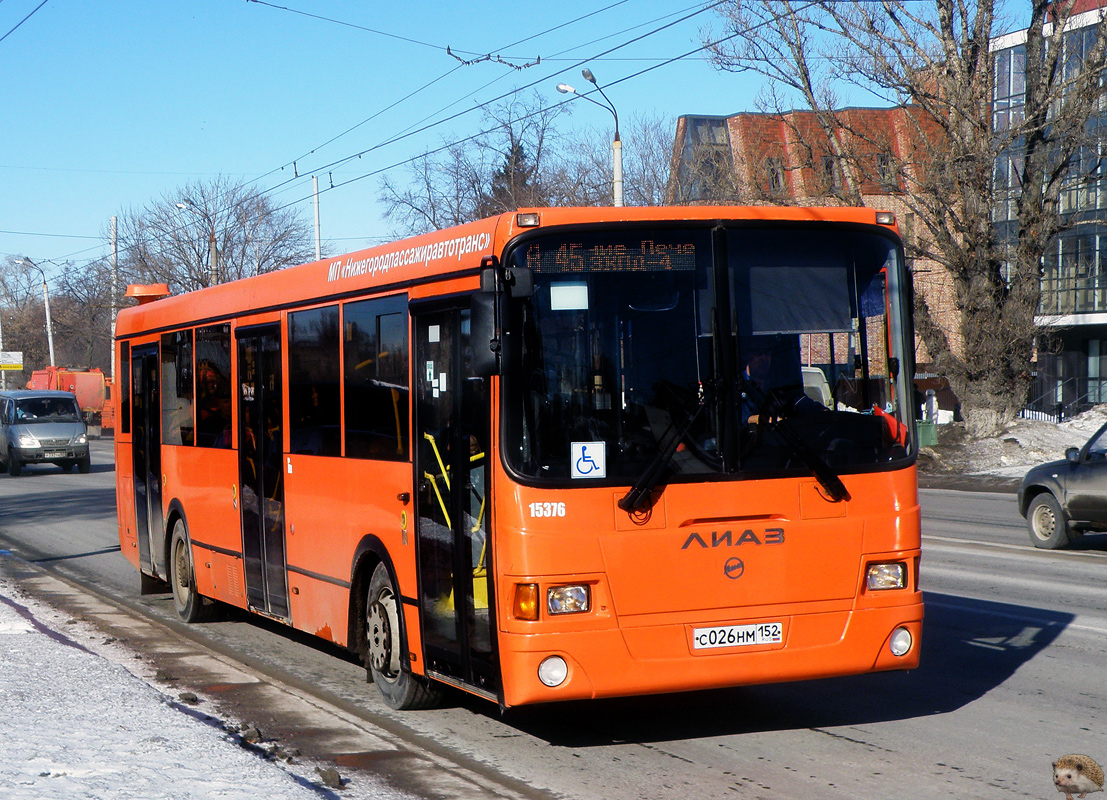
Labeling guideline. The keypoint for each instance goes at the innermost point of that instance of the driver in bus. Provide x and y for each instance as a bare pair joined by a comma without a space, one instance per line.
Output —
772,382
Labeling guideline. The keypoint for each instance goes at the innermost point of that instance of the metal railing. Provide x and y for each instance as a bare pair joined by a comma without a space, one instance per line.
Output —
1075,397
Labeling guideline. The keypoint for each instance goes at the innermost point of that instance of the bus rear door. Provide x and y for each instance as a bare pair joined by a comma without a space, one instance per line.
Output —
451,440
146,459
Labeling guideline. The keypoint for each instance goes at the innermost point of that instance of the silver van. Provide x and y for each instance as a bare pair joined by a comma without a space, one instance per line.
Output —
38,426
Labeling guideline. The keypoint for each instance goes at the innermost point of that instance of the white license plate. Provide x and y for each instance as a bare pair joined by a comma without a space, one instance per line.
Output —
738,635
54,455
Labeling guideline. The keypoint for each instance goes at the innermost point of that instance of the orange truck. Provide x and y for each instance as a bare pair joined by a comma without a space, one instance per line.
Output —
91,387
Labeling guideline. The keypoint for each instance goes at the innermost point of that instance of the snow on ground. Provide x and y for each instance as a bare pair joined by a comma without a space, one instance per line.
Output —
76,724
1022,445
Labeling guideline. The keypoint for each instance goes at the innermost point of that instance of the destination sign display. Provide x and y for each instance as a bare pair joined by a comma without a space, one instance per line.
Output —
562,256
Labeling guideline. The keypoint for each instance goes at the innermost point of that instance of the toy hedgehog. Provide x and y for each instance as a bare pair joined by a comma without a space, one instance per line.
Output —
1077,774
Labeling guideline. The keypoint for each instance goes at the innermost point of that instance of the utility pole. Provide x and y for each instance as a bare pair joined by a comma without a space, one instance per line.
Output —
213,256
315,186
114,287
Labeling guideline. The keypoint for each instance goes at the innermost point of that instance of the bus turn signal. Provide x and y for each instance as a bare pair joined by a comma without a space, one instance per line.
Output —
526,601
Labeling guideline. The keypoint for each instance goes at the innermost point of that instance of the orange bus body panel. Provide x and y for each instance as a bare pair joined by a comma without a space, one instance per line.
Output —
802,557
803,566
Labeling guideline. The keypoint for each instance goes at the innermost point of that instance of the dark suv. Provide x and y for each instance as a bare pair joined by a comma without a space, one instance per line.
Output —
1063,499
38,426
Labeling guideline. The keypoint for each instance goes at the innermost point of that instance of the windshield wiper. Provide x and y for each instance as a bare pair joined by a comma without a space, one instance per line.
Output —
640,495
827,478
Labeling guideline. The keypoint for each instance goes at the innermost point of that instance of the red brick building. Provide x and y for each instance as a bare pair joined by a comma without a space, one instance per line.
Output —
854,156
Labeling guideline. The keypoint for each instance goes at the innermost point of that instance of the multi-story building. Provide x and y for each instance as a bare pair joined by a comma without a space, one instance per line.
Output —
1072,369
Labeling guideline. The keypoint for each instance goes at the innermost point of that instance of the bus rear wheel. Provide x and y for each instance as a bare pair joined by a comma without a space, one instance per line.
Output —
191,606
386,649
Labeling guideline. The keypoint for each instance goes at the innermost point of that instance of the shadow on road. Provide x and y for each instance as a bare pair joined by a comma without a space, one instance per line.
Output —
969,647
58,504
31,470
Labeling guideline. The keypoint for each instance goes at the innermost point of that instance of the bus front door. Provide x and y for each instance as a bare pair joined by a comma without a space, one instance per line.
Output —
452,421
260,468
146,459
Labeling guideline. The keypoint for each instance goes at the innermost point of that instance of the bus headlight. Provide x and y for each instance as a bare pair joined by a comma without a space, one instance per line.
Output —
568,599
886,576
553,671
80,438
27,440
901,642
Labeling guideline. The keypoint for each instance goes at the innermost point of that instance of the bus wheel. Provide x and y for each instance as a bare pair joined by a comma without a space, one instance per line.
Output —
190,605
84,465
15,466
1046,522
399,688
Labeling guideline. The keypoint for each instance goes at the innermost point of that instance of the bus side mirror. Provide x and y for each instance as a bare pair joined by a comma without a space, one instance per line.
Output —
519,282
482,334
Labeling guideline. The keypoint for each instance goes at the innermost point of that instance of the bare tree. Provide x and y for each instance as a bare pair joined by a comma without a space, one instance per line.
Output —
23,318
935,58
81,310
173,239
508,165
522,159
587,171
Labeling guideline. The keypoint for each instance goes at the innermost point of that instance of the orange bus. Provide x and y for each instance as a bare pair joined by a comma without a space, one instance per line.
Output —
555,454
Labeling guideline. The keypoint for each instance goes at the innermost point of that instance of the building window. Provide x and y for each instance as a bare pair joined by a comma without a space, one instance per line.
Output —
887,173
775,168
831,174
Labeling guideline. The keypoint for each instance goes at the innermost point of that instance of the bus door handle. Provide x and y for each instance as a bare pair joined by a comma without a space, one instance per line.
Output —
234,495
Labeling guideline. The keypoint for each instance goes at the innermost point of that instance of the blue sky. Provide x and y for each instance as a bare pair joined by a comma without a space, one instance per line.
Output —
110,105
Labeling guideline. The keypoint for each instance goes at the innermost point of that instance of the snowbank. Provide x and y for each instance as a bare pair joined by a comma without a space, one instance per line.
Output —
1024,444
76,724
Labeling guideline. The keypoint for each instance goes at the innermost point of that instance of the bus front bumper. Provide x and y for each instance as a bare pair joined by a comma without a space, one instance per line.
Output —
663,658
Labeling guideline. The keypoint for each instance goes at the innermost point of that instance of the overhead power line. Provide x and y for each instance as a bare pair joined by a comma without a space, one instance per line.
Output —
394,139
638,74
13,30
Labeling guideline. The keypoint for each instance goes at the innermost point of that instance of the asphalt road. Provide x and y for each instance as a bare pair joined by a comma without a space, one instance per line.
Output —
1011,677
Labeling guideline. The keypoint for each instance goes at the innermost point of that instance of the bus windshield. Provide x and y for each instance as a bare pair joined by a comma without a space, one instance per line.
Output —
620,370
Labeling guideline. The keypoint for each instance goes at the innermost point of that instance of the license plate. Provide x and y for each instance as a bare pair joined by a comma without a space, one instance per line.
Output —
54,455
738,635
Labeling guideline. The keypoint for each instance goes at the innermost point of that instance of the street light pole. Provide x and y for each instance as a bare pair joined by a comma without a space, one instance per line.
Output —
46,303
3,372
213,252
616,144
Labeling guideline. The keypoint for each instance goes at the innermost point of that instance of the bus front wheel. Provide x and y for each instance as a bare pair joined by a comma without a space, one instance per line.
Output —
386,649
191,606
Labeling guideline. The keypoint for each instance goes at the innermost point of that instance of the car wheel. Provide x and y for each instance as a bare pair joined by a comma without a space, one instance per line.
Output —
1046,522
386,648
15,466
191,606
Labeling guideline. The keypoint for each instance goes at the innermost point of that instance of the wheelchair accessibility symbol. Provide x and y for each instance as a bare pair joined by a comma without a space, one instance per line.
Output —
589,460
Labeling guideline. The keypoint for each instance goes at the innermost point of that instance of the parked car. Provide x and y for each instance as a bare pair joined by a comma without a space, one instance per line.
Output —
1062,500
40,426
